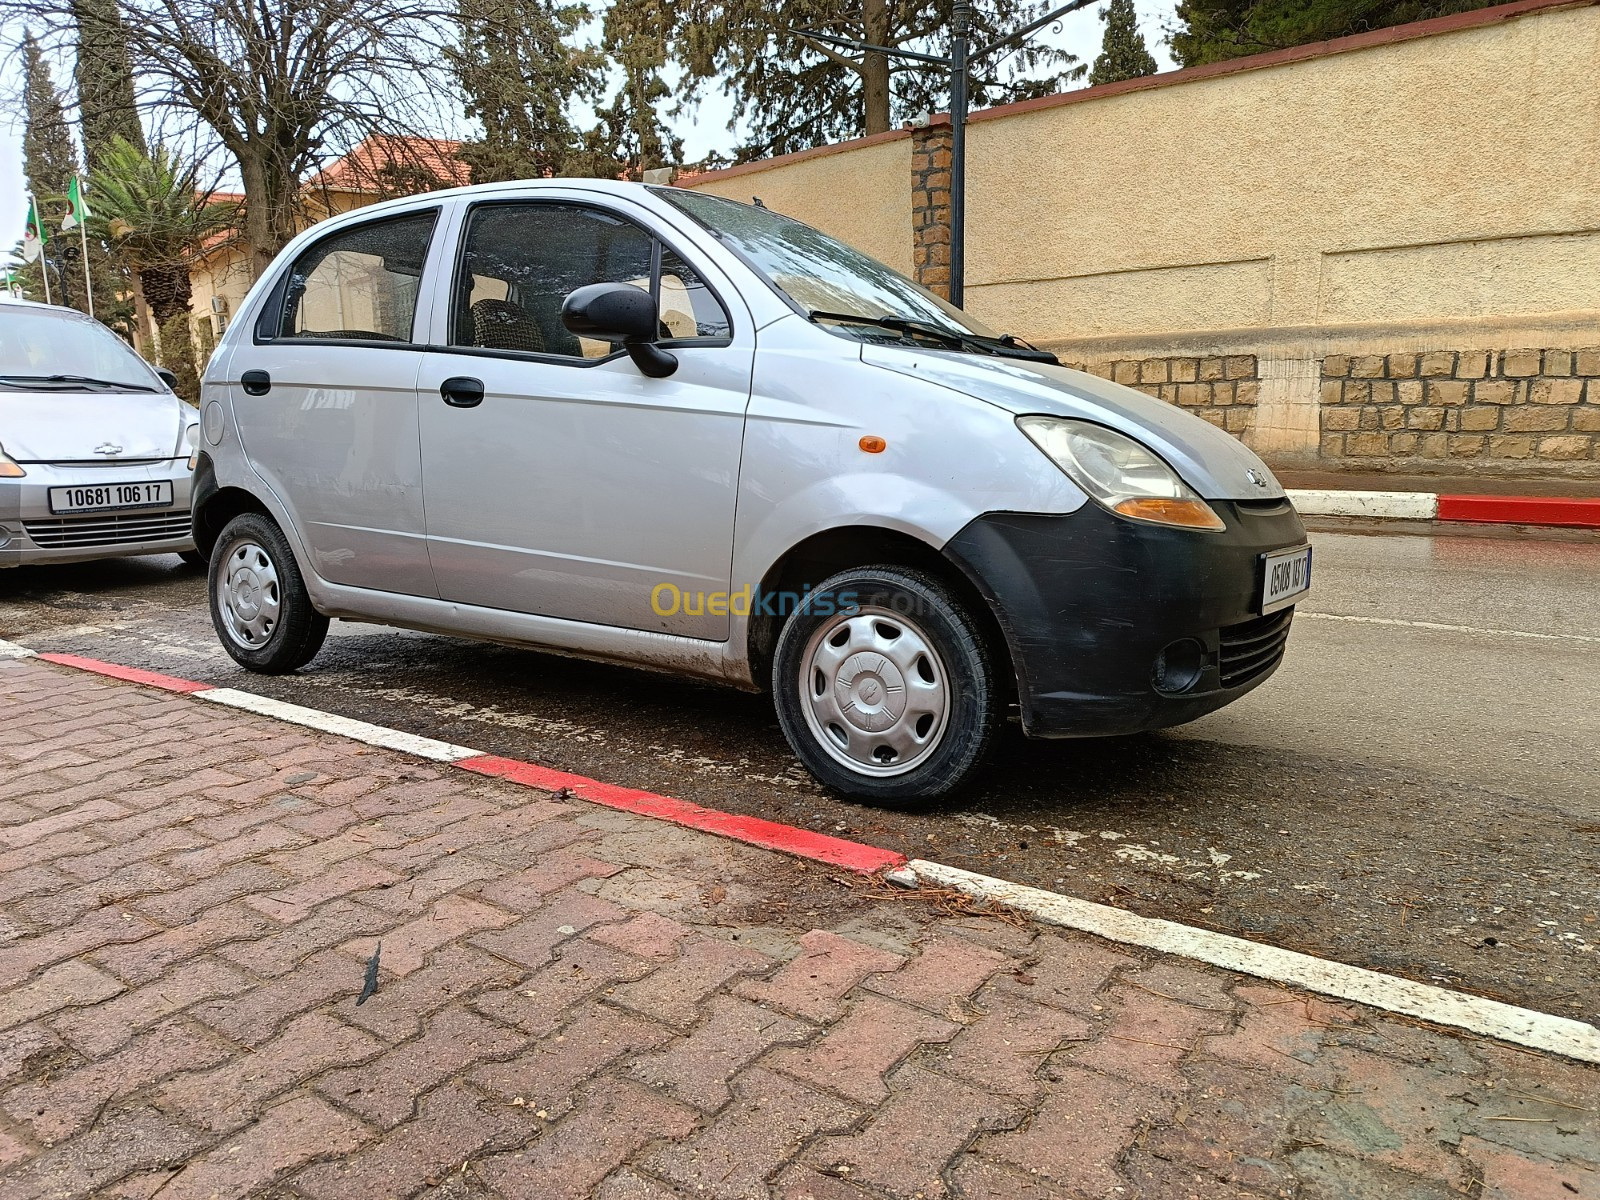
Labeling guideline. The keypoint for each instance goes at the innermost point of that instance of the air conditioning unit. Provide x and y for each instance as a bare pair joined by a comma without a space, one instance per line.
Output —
219,305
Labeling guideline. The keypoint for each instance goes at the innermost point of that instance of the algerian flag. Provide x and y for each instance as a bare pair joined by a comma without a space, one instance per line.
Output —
77,207
33,236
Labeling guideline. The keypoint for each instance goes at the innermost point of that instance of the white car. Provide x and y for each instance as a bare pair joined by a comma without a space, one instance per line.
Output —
663,428
95,447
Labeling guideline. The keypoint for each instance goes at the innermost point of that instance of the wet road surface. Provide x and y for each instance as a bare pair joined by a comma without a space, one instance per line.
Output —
1417,789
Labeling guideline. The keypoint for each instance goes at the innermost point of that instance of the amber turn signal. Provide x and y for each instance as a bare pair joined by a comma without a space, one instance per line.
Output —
873,445
1192,514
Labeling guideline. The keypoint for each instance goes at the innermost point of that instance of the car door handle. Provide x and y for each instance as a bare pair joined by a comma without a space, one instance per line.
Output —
255,383
462,391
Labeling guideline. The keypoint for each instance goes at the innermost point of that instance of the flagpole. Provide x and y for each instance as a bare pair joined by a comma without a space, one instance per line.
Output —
83,237
44,257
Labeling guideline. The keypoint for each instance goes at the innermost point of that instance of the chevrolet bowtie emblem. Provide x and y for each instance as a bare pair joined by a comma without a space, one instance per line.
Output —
107,448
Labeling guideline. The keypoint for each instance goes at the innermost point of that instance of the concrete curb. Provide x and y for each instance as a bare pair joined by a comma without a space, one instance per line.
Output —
1556,511
1440,1006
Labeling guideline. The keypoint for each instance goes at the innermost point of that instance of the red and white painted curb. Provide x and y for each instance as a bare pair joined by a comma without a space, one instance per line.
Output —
1441,1006
1558,511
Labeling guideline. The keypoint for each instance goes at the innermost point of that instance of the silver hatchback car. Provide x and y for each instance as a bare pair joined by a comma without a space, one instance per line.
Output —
663,428
96,453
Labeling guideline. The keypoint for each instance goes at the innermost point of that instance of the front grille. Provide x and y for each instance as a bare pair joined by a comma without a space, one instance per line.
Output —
108,529
1252,648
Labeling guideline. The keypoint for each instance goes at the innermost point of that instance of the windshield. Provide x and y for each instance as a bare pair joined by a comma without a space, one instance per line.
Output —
37,344
819,274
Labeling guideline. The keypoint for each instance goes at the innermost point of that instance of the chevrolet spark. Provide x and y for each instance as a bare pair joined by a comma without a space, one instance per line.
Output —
663,428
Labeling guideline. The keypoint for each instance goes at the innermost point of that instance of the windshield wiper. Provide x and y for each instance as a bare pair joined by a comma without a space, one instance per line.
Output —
1004,346
77,380
899,324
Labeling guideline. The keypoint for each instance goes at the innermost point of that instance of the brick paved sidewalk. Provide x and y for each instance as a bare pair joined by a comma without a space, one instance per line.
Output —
576,1002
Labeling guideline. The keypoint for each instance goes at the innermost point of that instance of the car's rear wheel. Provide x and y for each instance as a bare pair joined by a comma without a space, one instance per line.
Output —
259,603
884,687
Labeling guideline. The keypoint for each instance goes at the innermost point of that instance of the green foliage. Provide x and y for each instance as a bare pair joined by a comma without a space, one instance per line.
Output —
1214,30
155,213
49,161
1123,54
518,67
795,93
104,74
177,355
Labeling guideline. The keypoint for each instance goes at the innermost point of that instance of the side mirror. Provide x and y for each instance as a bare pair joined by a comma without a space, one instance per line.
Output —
620,312
168,378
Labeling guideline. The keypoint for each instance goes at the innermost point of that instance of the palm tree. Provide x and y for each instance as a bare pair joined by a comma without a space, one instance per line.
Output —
155,214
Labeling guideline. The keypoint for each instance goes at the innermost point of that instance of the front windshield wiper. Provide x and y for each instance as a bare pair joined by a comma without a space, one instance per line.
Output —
1004,346
76,381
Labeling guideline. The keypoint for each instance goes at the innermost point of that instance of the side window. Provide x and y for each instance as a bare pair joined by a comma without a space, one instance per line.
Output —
689,309
520,261
359,284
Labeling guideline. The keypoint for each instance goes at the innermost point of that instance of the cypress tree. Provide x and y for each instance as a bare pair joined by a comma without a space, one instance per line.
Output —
104,75
49,160
1123,54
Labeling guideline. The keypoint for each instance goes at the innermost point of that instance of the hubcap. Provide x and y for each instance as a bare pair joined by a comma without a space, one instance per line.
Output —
249,595
874,691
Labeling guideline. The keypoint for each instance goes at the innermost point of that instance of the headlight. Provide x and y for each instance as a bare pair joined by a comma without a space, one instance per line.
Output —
9,469
1120,473
191,435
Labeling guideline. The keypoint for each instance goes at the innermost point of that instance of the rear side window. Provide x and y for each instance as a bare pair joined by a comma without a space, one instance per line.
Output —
358,284
520,261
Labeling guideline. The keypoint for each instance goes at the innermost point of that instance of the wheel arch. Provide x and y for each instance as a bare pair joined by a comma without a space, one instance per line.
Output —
215,505
825,553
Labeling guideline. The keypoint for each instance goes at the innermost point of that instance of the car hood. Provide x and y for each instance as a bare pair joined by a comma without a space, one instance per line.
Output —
67,426
1215,464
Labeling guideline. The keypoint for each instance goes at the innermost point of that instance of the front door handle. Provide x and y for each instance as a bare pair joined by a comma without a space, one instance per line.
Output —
255,383
462,391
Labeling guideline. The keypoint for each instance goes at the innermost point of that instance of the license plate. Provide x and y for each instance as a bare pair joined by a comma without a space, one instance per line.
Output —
1287,578
98,497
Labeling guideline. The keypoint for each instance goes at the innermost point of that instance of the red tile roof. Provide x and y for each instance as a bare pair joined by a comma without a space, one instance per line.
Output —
381,162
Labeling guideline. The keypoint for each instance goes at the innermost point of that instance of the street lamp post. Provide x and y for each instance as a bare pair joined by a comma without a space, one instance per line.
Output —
959,62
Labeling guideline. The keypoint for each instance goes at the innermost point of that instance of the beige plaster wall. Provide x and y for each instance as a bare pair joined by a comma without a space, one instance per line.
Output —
1450,176
860,194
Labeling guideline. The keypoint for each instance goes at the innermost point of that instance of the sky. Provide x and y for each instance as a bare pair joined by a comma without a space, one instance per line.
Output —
703,130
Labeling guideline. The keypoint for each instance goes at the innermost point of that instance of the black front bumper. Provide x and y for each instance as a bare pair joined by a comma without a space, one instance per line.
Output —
1088,601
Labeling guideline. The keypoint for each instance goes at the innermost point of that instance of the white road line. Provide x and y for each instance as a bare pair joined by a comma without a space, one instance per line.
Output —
1437,627
1507,1022
1404,506
361,731
12,650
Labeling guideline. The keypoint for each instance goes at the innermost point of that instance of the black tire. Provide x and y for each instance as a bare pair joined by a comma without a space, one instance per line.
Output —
886,599
193,558
253,542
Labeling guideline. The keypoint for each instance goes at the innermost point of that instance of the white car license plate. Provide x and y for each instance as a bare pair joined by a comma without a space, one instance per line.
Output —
96,497
1287,578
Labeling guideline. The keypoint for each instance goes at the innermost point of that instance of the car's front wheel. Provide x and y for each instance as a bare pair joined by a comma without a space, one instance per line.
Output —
259,603
884,687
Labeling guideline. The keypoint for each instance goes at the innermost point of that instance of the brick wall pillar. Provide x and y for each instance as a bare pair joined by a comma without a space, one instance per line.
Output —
930,206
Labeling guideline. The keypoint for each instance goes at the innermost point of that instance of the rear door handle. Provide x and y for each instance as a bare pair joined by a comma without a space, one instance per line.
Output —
255,383
462,391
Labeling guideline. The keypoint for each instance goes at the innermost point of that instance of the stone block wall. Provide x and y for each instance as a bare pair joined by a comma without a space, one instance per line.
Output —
1223,389
930,206
1522,406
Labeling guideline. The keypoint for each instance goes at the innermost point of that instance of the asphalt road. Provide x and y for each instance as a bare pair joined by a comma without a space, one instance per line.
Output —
1417,789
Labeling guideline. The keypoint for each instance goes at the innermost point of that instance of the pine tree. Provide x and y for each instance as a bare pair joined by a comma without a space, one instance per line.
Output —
49,160
794,92
632,137
518,69
1123,54
1213,30
104,74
